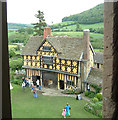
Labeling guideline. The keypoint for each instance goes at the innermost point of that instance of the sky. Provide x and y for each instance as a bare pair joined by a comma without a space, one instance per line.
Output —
23,11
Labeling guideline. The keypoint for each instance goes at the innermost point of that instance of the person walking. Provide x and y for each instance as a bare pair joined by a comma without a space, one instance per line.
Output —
35,92
29,82
88,87
37,82
23,86
67,107
64,113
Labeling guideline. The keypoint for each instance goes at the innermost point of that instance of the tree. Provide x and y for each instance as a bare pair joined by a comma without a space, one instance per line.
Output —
39,26
21,30
77,27
11,52
19,37
29,30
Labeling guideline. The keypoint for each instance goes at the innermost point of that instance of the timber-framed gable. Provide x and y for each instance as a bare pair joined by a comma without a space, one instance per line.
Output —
55,60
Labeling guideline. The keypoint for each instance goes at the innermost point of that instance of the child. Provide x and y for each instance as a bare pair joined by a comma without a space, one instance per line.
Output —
23,86
34,91
39,87
64,113
32,87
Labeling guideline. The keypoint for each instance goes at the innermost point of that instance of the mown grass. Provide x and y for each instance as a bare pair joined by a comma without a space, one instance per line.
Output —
24,105
10,33
78,34
84,26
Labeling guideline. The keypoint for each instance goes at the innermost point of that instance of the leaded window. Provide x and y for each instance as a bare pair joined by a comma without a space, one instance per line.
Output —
46,48
47,60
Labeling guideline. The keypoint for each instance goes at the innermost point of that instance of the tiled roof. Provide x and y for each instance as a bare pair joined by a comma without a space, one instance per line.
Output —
67,47
32,45
95,76
98,58
70,47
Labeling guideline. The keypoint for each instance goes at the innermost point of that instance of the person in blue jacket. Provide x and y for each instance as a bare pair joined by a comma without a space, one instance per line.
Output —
67,107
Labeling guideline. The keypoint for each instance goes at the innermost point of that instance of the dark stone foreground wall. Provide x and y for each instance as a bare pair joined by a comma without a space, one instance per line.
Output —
110,75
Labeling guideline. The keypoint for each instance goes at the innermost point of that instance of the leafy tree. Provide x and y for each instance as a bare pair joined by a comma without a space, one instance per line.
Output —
11,52
29,30
39,26
21,30
77,27
13,63
94,15
18,38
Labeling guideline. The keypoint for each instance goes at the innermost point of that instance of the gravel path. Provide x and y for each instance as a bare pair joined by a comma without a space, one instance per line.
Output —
55,92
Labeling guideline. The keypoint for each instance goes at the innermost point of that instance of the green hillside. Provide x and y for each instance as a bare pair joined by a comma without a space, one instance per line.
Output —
69,26
91,16
18,25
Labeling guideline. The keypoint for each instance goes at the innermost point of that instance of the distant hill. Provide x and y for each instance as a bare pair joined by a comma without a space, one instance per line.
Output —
91,16
18,25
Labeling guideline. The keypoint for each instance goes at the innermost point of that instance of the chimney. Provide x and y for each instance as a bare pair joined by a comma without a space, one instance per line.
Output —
86,38
47,32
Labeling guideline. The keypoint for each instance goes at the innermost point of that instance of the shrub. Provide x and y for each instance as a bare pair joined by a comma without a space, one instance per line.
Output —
99,96
95,100
91,95
94,108
15,81
11,52
14,63
77,91
96,87
71,91
86,93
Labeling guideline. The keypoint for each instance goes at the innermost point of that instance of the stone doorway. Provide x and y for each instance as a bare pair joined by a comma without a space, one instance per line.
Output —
61,82
49,79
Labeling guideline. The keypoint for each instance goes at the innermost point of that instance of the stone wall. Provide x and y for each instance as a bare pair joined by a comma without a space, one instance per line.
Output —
110,75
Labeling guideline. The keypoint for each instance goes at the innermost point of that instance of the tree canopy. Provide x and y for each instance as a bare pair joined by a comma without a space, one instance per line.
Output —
91,16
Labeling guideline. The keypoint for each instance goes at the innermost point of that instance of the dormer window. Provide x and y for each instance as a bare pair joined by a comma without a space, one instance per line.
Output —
46,48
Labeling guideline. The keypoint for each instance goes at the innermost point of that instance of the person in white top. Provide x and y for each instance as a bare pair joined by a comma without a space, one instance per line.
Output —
37,82
88,87
23,86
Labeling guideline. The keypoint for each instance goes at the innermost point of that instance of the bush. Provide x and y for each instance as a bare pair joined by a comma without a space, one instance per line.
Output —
96,87
94,108
12,52
99,96
71,91
16,81
95,100
86,93
14,63
91,95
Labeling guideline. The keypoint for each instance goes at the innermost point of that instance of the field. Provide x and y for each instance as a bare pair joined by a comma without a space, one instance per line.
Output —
24,105
10,33
71,25
85,26
78,34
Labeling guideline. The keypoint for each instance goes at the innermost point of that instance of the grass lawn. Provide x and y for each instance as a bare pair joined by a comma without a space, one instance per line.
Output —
85,26
78,34
24,105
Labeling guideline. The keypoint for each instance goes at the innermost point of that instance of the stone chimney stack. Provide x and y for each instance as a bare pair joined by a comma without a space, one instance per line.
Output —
47,32
86,38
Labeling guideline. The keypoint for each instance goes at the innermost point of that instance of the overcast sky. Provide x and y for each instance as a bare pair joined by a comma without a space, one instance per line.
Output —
23,11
